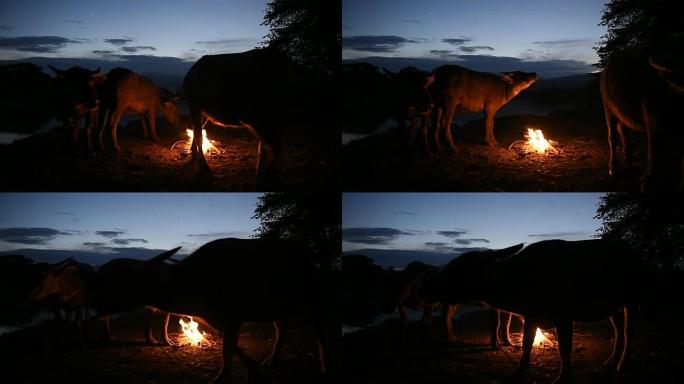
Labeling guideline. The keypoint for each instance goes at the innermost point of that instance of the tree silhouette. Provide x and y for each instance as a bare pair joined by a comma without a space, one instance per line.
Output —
639,24
651,224
313,219
308,30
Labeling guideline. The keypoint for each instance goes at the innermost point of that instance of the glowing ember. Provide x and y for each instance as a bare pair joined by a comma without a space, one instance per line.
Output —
206,143
536,142
540,339
191,334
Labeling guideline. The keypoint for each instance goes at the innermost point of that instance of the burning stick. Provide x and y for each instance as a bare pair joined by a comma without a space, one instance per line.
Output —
191,334
207,144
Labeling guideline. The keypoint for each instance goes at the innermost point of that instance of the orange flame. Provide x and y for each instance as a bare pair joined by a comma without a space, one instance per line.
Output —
540,339
191,334
536,142
207,144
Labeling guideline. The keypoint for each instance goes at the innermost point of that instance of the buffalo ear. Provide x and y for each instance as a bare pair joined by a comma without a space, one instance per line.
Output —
57,72
95,72
62,264
505,252
507,78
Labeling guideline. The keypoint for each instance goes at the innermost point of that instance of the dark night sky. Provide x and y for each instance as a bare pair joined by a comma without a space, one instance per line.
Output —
552,37
118,224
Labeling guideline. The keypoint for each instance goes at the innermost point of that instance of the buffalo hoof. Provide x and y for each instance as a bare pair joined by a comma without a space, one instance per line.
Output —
151,341
117,148
517,377
492,143
156,139
270,362
221,378
611,363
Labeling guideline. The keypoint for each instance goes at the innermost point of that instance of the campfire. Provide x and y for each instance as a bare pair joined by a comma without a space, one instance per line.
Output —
207,144
540,340
536,143
191,334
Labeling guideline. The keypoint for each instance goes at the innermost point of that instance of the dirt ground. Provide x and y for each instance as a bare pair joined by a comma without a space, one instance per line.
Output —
382,162
375,354
49,352
44,162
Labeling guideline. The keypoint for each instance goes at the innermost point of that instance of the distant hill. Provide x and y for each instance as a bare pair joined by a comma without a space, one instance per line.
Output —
565,82
399,258
88,257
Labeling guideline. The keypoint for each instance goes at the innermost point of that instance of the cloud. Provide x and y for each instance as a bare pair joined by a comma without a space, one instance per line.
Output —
470,241
375,43
372,235
473,48
440,52
405,213
5,28
411,21
212,234
71,21
457,42
33,235
227,42
128,241
564,42
103,52
138,48
41,44
94,244
62,213
453,234
119,42
110,234
562,235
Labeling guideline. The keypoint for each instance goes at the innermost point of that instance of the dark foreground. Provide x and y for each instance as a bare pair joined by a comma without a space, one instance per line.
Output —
45,162
375,356
382,162
47,353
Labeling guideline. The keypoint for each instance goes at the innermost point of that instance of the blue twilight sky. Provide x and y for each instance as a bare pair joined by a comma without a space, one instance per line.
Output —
552,32
445,222
120,223
184,29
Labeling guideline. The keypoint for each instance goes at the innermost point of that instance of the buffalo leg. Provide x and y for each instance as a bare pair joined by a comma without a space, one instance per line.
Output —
612,166
629,330
92,119
626,147
564,333
230,339
495,323
165,330
448,119
618,323
75,129
280,327
196,146
437,122
152,115
529,331
143,122
403,313
108,328
105,120
449,319
654,149
114,123
149,337
426,137
489,126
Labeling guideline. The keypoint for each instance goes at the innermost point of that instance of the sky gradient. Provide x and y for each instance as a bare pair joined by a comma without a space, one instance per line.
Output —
184,29
109,223
447,222
475,32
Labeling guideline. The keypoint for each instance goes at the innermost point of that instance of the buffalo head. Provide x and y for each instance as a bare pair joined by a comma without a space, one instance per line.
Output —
79,84
411,89
54,280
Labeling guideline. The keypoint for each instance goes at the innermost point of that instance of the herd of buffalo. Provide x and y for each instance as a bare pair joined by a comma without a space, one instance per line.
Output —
592,280
253,90
225,282
640,92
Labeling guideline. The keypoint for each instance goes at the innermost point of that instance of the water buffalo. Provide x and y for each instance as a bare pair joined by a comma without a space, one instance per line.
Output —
229,281
127,92
644,93
119,287
410,100
589,280
251,90
33,97
69,284
456,88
